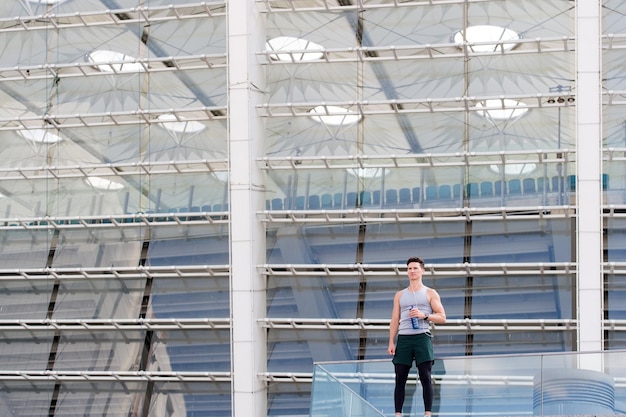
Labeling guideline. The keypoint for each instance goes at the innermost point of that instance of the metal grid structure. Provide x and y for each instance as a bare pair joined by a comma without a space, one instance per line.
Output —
160,250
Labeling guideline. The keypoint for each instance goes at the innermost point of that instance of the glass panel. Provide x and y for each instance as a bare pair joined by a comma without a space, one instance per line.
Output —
21,248
292,396
22,300
518,181
522,297
104,397
522,241
291,351
615,293
199,245
182,297
330,398
98,248
539,384
615,239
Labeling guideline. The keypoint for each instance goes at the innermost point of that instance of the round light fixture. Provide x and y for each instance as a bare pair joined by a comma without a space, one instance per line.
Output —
40,136
514,169
334,115
221,176
103,184
496,109
487,38
302,50
368,173
111,61
178,124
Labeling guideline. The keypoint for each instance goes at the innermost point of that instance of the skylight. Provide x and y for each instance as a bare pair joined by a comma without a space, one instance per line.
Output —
40,136
487,38
103,184
514,169
178,124
334,116
497,109
368,173
295,49
111,61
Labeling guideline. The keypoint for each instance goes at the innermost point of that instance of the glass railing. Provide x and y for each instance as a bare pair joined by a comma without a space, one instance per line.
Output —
503,385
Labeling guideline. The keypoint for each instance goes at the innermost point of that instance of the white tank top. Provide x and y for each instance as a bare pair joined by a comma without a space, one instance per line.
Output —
419,299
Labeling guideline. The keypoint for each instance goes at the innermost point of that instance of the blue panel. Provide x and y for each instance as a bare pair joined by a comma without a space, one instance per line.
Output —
445,192
277,204
456,191
498,187
314,202
472,190
376,197
365,198
529,186
327,201
391,197
351,200
300,201
431,192
416,194
571,182
515,187
405,195
486,189
338,200
543,185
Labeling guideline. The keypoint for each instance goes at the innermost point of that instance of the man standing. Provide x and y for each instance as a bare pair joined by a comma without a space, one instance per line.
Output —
414,308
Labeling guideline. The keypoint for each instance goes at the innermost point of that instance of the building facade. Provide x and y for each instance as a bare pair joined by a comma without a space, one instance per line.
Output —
199,200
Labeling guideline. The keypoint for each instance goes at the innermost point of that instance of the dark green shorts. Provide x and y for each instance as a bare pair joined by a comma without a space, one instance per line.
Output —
418,347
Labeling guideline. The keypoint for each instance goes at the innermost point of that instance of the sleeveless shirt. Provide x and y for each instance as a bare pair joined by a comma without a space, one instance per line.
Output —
420,300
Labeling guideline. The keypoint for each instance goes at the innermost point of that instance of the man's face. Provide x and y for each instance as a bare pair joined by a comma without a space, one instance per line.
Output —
414,269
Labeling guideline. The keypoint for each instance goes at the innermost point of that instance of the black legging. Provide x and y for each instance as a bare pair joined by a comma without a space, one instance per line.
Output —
402,374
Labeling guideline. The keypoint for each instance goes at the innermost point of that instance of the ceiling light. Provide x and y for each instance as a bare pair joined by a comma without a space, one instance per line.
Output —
334,116
178,124
103,184
221,176
303,50
368,173
514,169
497,109
111,61
48,2
40,136
487,38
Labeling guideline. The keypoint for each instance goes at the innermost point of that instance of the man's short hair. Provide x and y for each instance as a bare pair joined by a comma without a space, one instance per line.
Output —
415,259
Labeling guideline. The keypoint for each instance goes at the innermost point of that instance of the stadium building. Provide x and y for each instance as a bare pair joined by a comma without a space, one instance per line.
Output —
200,200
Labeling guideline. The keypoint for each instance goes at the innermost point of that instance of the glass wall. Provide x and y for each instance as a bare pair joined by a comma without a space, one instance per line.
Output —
139,172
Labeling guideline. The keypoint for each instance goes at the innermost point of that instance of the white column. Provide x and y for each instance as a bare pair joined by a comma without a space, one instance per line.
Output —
588,174
246,80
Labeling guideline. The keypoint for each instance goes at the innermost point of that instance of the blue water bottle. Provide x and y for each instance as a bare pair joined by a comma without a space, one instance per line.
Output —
414,320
